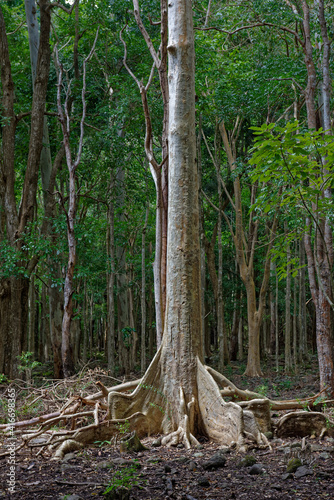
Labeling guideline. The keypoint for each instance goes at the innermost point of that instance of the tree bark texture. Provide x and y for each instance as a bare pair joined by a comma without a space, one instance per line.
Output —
14,290
320,257
288,357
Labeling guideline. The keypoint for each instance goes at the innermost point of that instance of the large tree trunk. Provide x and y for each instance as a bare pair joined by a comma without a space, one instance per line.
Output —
178,394
320,259
56,298
14,294
14,290
190,400
254,319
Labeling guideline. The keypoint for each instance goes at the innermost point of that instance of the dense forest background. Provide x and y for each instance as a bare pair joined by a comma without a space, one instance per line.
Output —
84,183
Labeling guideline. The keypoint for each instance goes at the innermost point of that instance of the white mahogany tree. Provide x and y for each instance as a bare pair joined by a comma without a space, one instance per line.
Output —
178,396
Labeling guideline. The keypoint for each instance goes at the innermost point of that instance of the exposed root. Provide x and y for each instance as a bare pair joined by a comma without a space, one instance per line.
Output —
305,423
159,405
183,434
67,447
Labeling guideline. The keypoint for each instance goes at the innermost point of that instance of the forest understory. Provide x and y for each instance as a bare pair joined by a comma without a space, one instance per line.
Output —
205,471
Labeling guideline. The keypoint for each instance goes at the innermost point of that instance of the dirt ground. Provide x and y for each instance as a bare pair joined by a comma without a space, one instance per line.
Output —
176,473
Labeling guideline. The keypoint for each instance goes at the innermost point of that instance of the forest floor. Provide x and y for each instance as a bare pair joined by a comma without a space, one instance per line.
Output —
172,473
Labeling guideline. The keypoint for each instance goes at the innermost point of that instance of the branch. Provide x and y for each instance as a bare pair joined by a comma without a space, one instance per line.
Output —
62,7
143,94
17,29
283,28
146,36
289,78
222,212
83,95
207,14
220,177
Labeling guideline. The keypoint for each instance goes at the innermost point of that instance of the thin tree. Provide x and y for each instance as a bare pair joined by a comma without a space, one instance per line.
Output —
64,119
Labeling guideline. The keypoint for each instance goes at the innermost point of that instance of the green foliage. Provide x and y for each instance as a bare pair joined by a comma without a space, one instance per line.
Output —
126,478
262,389
3,379
295,167
123,427
27,364
127,334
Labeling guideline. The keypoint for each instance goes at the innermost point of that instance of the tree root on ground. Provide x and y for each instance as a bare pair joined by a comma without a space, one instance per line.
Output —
152,408
305,423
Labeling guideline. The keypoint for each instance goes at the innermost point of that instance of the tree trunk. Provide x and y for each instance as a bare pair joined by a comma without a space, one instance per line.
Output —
320,259
235,322
13,321
143,294
287,336
72,165
295,325
245,259
178,395
272,312
220,305
254,319
277,325
302,326
14,293
240,338
110,285
56,319
159,172
66,347
32,313
206,351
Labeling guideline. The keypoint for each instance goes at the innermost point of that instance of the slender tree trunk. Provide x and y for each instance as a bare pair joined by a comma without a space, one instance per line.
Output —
303,350
91,324
143,294
235,322
272,312
132,319
287,337
159,172
220,305
32,24
240,339
295,325
253,368
32,314
245,258
123,313
277,325
111,285
85,326
72,165
151,332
